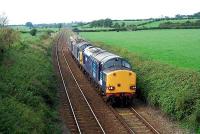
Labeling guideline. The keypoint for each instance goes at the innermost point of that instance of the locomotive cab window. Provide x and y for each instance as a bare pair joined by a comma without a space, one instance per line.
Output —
109,64
126,64
112,63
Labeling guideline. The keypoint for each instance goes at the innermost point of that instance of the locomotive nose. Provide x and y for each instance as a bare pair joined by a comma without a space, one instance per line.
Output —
121,82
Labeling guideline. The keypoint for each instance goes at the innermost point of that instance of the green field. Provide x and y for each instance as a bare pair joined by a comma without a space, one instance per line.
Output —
127,22
25,28
133,22
157,23
177,47
94,28
141,24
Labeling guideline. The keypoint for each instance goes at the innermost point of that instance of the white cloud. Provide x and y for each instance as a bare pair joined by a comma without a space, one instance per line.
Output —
47,11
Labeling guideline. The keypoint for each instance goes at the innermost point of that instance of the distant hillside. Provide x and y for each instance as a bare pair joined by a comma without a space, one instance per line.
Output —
179,22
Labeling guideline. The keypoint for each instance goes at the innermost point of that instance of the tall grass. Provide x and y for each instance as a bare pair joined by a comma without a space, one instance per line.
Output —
176,91
28,96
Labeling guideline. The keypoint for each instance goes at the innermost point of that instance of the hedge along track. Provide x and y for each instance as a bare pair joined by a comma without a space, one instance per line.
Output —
84,117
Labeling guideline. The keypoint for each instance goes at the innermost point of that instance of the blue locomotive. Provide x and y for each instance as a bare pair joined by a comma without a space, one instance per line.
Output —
112,73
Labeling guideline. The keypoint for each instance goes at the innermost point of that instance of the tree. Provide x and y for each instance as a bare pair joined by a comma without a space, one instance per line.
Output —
178,16
123,24
107,22
59,25
33,32
116,25
131,27
3,20
197,15
29,24
101,23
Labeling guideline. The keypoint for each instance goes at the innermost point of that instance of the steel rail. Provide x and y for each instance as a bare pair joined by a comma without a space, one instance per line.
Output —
145,121
122,121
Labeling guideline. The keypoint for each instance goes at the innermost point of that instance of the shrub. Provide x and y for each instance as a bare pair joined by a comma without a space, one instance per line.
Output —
44,35
49,31
13,113
7,37
33,32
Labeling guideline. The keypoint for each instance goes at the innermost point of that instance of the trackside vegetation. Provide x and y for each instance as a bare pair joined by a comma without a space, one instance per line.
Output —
28,96
174,89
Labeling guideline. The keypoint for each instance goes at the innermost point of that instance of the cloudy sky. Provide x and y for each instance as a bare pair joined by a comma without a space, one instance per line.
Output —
50,11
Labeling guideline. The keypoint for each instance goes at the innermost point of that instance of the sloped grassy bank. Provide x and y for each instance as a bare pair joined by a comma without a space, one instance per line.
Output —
28,96
176,91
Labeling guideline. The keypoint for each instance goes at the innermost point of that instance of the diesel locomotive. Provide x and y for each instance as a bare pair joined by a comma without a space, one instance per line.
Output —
111,73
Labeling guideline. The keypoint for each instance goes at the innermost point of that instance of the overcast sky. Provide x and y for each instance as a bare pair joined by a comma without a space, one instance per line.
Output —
50,11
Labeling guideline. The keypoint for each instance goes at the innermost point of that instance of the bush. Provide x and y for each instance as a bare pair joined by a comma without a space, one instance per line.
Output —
44,35
49,32
7,37
33,32
13,113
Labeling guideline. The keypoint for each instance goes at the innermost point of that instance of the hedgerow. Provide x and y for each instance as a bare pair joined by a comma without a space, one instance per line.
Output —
28,96
175,90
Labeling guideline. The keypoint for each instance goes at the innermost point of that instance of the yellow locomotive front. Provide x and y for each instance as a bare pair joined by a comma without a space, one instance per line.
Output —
118,81
120,86
121,83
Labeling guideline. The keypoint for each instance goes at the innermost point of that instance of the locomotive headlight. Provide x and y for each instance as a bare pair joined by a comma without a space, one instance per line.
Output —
111,88
132,87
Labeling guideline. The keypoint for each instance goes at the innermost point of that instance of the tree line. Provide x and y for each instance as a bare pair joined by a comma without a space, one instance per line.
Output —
187,24
194,16
52,25
102,23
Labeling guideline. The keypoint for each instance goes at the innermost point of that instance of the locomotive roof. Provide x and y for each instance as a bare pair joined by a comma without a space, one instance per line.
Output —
105,56
82,44
99,54
109,70
92,50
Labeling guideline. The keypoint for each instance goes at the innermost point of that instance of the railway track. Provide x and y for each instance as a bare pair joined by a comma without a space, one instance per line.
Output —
134,121
84,117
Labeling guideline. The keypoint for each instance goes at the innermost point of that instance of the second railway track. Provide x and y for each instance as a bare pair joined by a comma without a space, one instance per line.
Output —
84,117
